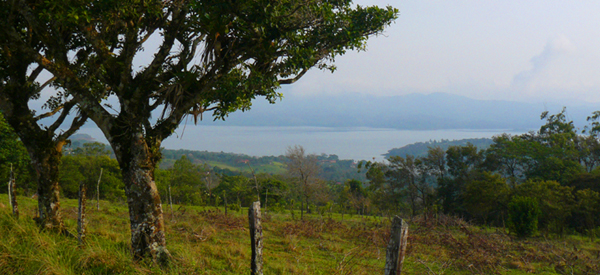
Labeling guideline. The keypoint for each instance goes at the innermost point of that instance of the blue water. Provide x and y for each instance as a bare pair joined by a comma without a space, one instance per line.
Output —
347,143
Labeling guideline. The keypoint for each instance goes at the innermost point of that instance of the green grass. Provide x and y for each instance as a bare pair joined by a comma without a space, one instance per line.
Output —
203,240
273,168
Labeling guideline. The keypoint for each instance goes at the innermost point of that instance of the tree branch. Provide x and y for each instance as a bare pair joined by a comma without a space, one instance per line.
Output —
294,79
35,73
46,83
63,115
170,34
48,114
78,121
92,108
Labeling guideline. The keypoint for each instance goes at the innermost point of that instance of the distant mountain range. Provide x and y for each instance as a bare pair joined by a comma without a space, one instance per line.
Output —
409,112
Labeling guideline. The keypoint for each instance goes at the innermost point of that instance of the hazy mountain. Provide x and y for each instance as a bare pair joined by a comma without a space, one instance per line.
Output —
410,112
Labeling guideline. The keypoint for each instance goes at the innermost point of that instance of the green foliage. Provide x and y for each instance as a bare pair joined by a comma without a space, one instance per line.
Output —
273,189
85,168
510,156
586,213
237,190
93,149
554,200
463,165
332,168
13,154
420,149
189,182
354,196
486,198
523,215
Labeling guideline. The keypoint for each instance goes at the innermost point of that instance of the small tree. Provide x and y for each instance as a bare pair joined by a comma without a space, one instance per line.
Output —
303,170
486,197
523,215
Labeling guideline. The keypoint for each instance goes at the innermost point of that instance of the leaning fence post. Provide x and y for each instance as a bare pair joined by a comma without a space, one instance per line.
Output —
12,196
396,247
256,239
98,191
171,202
81,214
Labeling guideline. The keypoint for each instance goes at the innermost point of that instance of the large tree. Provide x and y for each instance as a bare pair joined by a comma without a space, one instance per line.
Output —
21,83
212,55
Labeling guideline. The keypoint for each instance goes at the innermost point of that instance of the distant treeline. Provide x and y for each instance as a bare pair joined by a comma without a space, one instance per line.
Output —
548,180
420,149
332,168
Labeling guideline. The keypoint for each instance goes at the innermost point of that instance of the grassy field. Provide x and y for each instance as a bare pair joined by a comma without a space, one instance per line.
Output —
275,168
206,241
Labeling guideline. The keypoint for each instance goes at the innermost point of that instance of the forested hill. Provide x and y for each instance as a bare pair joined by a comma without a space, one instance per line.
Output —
419,149
332,168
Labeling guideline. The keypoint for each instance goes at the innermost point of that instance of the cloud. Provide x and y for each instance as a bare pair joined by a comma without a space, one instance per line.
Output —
554,49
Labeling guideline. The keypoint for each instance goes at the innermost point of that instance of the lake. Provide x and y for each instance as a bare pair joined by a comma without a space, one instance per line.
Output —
347,143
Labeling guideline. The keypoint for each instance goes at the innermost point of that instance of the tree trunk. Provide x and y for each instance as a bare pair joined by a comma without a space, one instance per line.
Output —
138,161
81,213
12,194
46,165
307,205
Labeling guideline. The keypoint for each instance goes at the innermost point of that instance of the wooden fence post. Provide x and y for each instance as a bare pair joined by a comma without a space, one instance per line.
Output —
81,214
171,202
12,196
225,202
98,191
396,247
256,239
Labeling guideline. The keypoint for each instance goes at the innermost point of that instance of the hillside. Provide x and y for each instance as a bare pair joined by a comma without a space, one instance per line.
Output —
332,168
205,240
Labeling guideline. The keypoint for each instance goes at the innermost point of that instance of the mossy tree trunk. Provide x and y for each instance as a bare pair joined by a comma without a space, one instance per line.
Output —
44,143
46,164
138,158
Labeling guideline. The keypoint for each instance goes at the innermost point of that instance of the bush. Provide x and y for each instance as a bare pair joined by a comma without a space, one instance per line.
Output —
523,213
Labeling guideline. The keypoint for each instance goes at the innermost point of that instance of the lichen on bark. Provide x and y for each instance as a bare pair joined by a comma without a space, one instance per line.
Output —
46,161
138,161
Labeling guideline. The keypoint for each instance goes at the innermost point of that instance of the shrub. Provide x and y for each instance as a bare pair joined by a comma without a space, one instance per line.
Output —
523,213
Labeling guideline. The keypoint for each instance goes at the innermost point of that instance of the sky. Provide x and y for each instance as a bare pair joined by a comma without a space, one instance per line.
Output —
540,51
532,51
